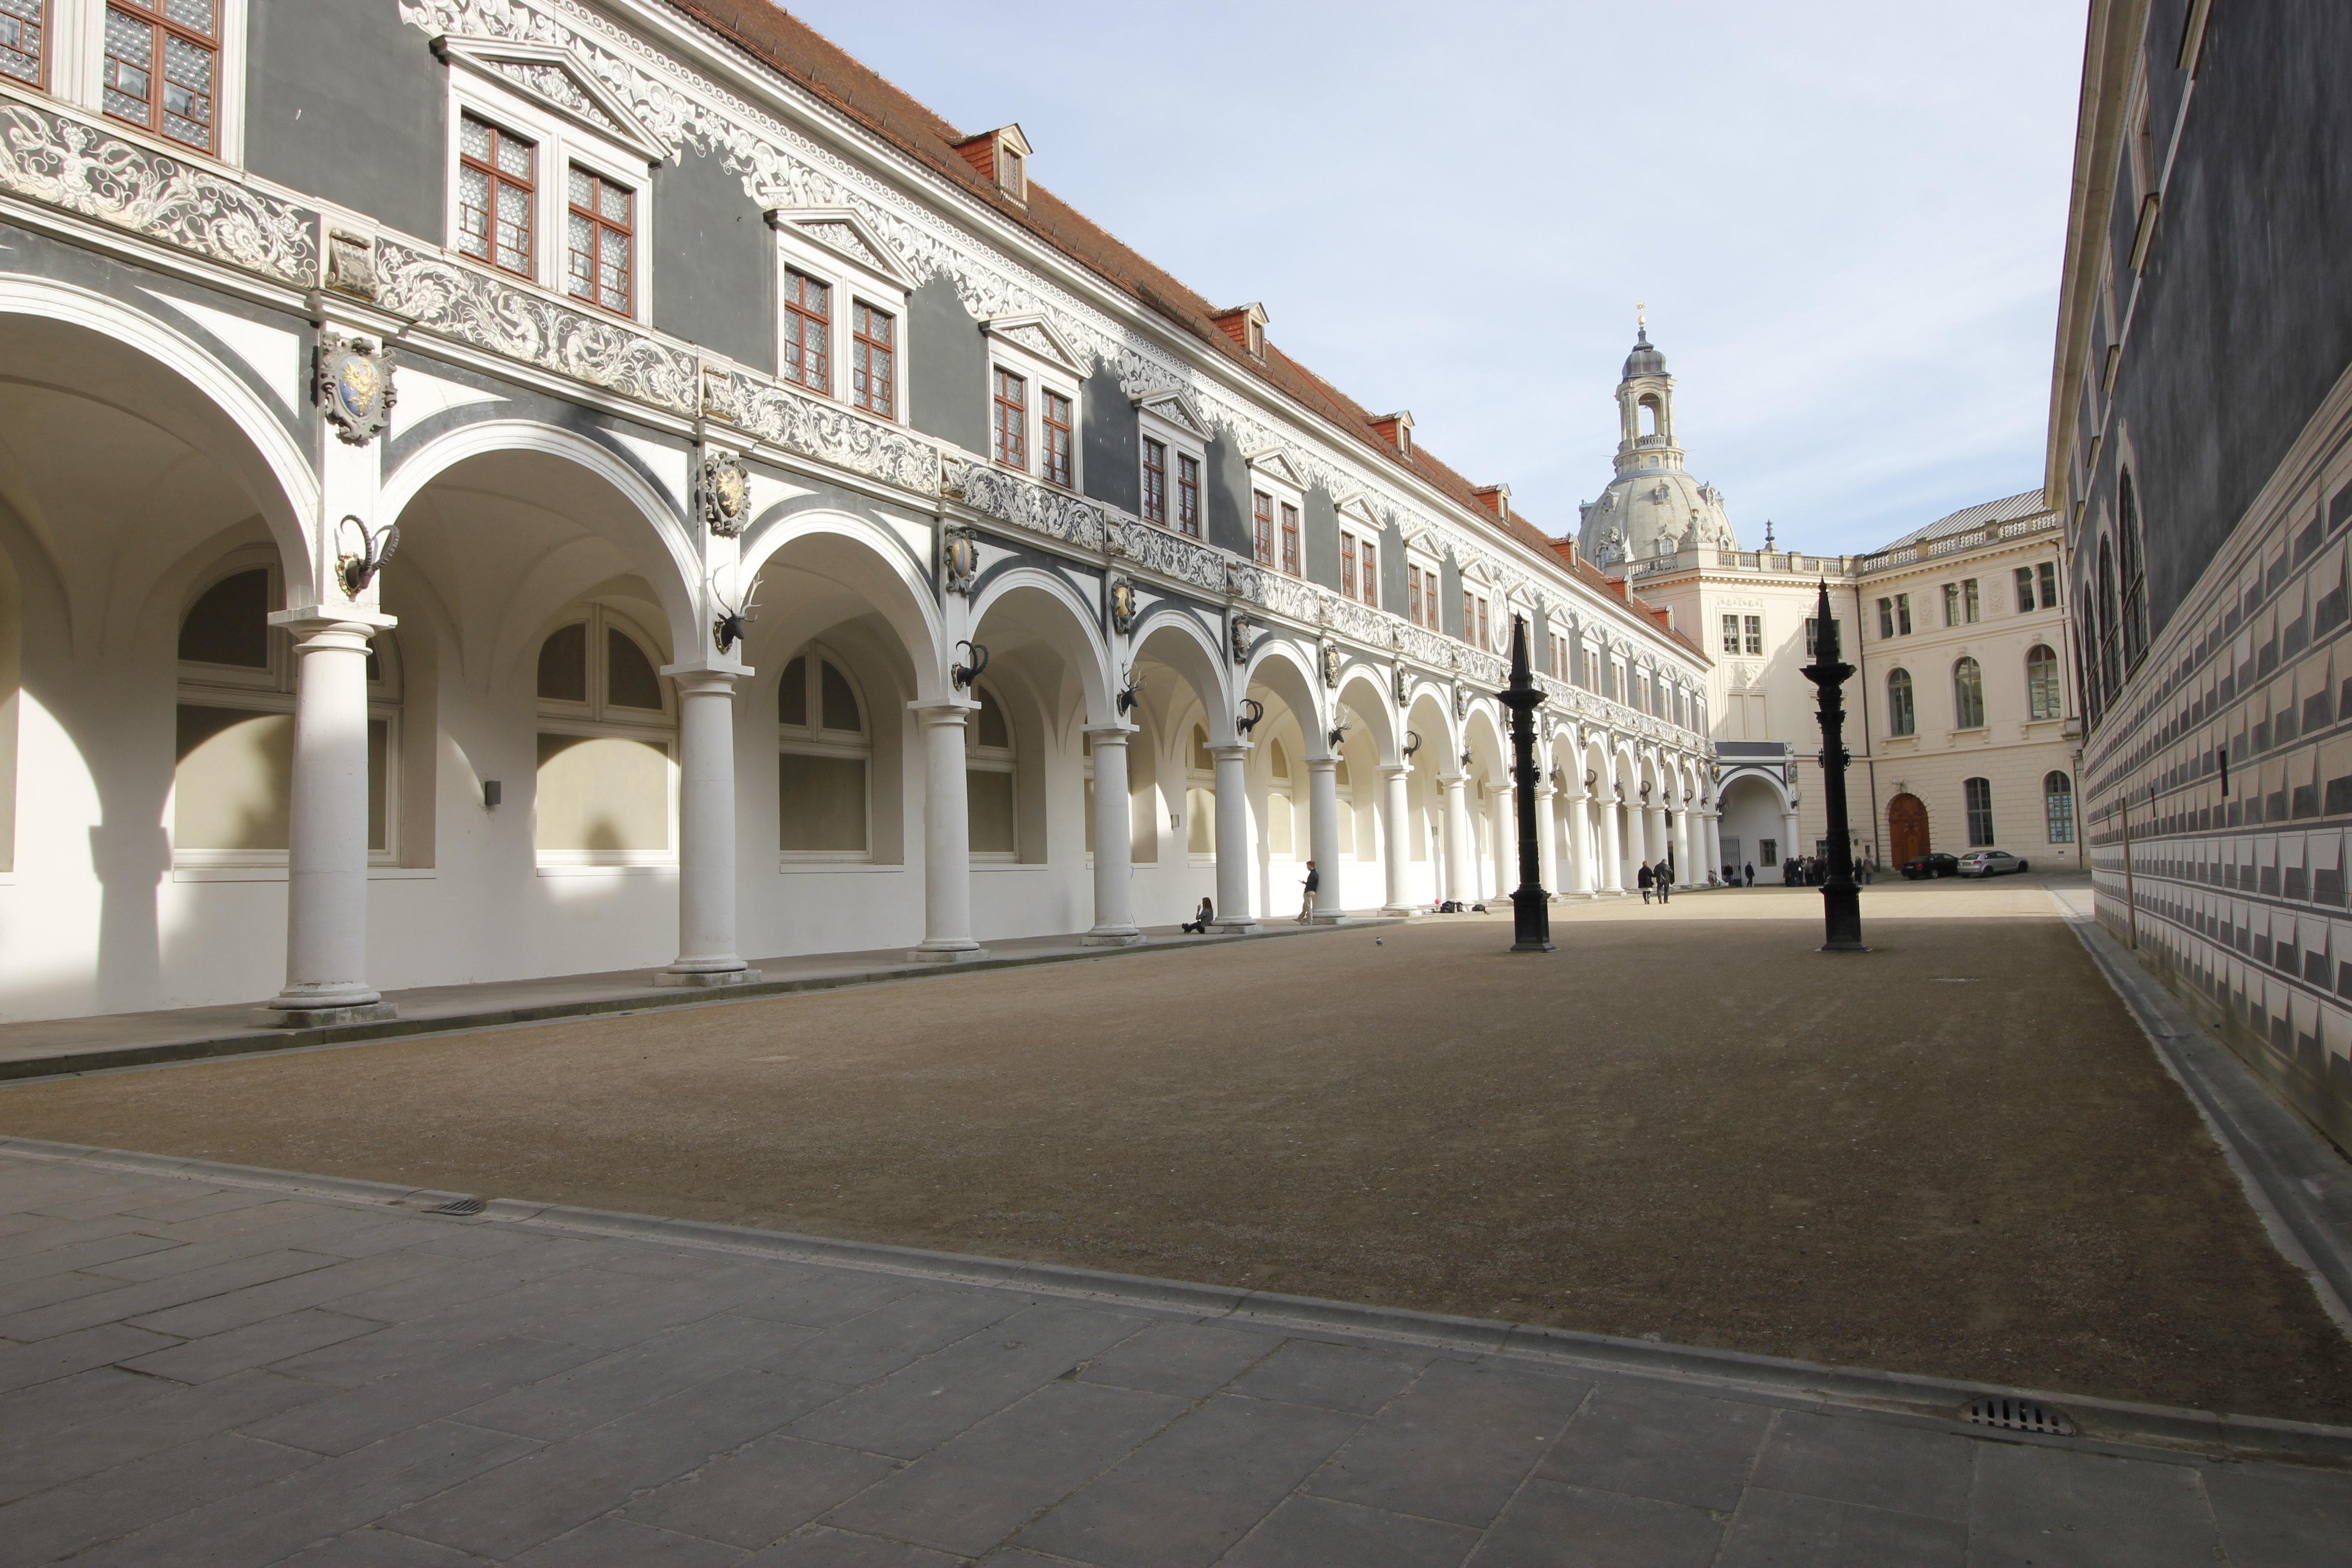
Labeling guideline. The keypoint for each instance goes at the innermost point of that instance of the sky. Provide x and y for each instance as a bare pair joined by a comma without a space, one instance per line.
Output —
1846,220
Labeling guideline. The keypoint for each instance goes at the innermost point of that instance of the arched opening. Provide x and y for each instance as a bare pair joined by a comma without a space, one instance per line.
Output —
607,741
992,781
1901,715
1906,829
2058,808
1968,695
2041,690
1647,414
824,761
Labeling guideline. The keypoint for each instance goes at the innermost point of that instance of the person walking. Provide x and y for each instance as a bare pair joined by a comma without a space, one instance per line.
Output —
1314,883
1642,879
1665,879
1750,869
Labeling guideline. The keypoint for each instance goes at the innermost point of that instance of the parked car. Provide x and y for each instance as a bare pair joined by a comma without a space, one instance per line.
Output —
1930,867
1988,863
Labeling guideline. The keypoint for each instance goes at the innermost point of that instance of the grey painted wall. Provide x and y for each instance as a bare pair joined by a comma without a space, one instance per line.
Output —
1113,461
2243,322
345,102
714,262
1393,598
1319,539
1449,596
947,390
1228,486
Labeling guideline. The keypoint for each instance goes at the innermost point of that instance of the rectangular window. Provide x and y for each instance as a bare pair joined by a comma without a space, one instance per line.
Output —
1057,438
1903,615
22,29
598,235
1814,635
1290,539
1372,594
873,360
1968,604
1886,619
494,185
1011,434
2024,589
808,331
1558,657
162,62
1731,634
1980,800
1412,610
1348,565
1155,481
2049,585
1755,630
1261,527
1188,495
1470,617
1951,604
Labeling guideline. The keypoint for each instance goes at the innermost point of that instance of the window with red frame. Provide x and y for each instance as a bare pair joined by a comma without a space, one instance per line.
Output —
1290,539
1057,423
1155,482
24,25
873,360
1262,518
162,67
496,173
1188,495
1412,610
1485,639
1371,578
599,236
1011,432
1348,565
808,331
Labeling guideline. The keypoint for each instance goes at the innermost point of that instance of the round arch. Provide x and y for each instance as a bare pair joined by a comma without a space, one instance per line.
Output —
855,552
1045,606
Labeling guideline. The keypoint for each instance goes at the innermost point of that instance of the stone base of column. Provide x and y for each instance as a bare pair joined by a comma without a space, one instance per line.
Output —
945,955
705,976
1405,912
1233,928
1115,937
275,1017
1328,916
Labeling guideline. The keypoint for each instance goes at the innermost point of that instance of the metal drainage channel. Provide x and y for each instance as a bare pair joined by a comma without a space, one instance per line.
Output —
2015,1415
459,1207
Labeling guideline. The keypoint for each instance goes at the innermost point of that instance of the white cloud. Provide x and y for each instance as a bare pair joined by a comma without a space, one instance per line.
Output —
1846,218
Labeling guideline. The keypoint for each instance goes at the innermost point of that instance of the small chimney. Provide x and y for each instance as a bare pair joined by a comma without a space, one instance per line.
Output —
1396,429
1245,324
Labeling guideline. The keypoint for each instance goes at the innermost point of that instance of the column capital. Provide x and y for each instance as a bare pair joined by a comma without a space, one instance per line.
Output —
1396,770
944,710
322,625
732,669
1233,751
1113,734
697,680
1322,764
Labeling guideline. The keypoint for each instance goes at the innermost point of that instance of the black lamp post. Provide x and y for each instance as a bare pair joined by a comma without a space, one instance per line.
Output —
1841,899
1530,906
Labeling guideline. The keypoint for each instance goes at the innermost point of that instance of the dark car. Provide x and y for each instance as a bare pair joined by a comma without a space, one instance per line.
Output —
1930,865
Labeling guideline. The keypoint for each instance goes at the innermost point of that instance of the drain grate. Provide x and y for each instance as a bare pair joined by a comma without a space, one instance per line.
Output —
2019,1416
459,1207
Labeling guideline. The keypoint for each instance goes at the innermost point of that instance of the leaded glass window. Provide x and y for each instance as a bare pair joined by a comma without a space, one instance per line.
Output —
873,360
1057,423
1011,431
494,179
162,62
600,232
1188,495
1290,539
23,31
1262,522
808,321
1155,481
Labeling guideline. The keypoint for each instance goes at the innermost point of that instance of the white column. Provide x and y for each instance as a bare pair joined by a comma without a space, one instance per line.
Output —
1547,839
1396,847
705,833
1788,831
1678,833
1460,885
1637,842
1233,838
1113,859
1323,832
946,836
1612,854
1714,841
327,827
1506,840
1579,842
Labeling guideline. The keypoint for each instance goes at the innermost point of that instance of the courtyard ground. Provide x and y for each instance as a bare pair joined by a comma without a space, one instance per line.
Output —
1956,1156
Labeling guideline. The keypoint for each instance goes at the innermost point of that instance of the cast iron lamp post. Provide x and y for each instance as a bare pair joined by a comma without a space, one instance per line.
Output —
1841,899
1530,906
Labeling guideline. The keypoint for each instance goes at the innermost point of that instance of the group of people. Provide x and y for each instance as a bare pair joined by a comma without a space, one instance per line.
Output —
1813,870
1658,880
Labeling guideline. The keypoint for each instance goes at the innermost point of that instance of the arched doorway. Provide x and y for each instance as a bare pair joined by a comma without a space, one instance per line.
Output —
1906,829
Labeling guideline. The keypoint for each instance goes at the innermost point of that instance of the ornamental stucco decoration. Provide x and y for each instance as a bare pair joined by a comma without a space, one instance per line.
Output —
1170,554
1122,606
354,387
50,158
726,493
1330,660
477,310
1243,630
1015,500
822,430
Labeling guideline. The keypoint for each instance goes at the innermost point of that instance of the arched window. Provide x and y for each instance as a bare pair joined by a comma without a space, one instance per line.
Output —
1280,838
1979,796
2111,662
606,793
825,763
988,781
1968,695
233,751
2133,568
1200,797
1901,715
2042,691
2058,806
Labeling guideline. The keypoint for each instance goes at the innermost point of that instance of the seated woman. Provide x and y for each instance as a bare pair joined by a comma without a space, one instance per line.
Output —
1199,924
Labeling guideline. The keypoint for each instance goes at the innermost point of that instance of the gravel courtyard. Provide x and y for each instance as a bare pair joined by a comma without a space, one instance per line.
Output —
1955,1156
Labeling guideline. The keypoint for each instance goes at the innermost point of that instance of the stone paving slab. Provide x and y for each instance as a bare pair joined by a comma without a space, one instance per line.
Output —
538,1392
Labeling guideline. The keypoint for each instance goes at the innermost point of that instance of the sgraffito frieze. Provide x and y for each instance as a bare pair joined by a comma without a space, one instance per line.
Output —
826,431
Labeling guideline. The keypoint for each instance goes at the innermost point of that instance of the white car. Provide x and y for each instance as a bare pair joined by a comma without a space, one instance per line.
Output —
1988,863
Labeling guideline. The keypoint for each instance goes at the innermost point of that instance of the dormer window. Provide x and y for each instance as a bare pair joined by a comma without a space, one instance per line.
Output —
1245,324
1001,157
1495,499
1396,429
1008,175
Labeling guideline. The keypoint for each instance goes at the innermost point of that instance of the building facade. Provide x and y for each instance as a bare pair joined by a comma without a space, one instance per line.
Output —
812,535
2201,450
1959,721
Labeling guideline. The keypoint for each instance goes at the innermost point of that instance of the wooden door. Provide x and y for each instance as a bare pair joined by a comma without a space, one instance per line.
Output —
1906,829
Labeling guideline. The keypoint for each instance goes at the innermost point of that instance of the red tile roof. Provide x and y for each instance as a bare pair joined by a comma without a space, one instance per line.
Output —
787,45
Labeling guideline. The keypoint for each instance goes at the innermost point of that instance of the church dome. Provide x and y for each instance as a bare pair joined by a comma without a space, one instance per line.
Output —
1653,507
1645,360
